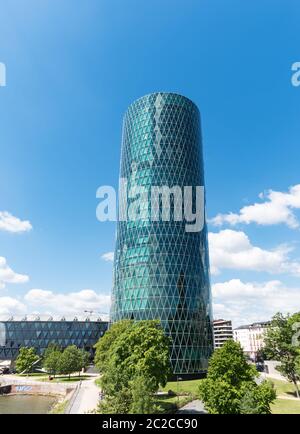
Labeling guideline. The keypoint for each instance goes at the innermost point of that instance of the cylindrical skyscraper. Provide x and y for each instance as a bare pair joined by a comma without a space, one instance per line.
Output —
161,268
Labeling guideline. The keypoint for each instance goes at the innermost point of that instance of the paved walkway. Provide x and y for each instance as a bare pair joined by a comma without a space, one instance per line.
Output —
194,407
86,397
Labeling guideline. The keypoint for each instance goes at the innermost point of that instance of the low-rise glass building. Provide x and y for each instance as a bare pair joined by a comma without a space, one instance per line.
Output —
39,333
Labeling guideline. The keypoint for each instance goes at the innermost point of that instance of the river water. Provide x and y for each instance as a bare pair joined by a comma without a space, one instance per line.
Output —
25,404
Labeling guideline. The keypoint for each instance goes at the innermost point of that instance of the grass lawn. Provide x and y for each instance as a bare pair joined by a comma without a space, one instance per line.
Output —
185,391
283,387
65,378
183,387
286,406
32,374
169,404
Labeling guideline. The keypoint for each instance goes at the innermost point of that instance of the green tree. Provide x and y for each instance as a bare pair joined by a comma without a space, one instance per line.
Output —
256,400
229,380
25,360
84,359
219,397
136,353
229,364
105,343
281,346
52,359
116,404
142,398
71,360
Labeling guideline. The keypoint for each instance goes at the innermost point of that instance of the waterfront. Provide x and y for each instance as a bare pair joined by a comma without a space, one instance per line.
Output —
26,404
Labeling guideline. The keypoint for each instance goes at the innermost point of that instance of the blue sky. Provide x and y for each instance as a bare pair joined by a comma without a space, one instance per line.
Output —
72,69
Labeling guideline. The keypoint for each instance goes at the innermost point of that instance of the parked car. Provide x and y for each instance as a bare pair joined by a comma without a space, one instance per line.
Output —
260,367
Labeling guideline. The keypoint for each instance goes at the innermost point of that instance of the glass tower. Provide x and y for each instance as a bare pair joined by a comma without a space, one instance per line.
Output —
161,270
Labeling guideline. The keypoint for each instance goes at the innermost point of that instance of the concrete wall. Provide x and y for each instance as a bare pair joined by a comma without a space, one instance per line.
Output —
34,388
43,389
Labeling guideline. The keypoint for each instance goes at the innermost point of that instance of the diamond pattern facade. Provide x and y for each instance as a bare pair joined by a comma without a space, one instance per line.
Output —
160,270
39,334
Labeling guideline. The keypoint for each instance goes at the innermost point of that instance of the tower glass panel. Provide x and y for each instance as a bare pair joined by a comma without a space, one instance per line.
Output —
161,270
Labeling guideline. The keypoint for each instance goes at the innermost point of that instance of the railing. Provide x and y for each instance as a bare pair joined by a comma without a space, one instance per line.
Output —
73,398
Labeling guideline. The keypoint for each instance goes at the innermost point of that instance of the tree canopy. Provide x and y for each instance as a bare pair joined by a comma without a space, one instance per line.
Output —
25,360
132,356
281,344
72,359
230,386
51,359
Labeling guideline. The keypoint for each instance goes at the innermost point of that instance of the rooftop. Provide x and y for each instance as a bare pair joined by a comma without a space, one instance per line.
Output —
254,325
57,318
221,320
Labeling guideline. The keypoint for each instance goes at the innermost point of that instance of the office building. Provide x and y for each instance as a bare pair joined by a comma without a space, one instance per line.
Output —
161,266
251,337
222,332
39,333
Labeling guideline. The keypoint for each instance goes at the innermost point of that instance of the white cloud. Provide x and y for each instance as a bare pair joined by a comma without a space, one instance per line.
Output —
242,302
108,257
10,223
246,302
7,275
74,303
231,249
11,306
276,208
236,288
